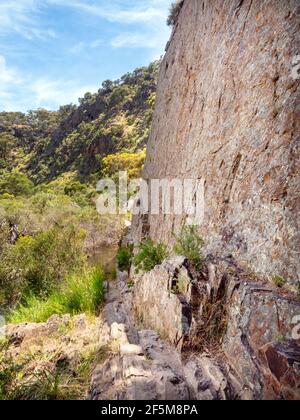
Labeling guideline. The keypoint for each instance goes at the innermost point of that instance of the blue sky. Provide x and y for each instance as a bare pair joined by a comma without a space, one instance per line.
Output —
53,51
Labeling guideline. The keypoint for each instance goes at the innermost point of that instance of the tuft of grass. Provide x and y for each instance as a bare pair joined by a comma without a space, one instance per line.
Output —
181,286
190,244
124,258
58,382
278,281
8,369
80,293
150,255
211,328
130,284
36,309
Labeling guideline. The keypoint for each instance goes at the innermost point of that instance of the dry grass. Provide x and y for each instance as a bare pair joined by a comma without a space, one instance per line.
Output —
54,379
210,330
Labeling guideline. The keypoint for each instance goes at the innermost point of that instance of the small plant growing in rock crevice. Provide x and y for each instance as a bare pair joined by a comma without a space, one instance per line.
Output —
211,328
190,244
181,286
210,313
174,12
278,281
150,255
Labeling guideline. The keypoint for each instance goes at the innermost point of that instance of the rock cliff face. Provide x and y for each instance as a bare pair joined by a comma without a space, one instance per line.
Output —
227,111
245,326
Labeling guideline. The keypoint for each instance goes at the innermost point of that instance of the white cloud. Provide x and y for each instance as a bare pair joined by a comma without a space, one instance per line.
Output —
83,46
58,92
77,48
6,75
142,25
22,17
97,43
18,90
118,11
135,40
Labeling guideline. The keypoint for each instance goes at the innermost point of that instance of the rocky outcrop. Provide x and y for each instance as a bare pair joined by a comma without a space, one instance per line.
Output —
157,304
144,367
247,326
227,112
260,319
282,361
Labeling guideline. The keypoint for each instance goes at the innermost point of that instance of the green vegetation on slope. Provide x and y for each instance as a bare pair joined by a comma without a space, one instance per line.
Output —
50,163
149,255
80,293
45,237
116,119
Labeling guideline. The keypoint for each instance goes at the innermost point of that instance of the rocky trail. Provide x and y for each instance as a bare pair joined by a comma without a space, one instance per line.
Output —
147,367
151,331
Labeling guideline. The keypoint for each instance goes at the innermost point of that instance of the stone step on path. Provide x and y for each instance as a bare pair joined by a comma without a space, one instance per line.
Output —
144,366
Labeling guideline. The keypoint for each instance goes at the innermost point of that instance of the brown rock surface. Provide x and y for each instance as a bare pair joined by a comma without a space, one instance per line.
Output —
248,327
282,362
144,367
257,318
157,305
227,111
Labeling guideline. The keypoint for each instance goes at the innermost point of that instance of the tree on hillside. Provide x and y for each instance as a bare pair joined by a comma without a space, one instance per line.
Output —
15,183
6,144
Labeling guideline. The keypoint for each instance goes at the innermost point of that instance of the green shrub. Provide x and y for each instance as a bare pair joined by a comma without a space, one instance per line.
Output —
189,244
124,258
15,183
80,293
130,162
37,265
150,255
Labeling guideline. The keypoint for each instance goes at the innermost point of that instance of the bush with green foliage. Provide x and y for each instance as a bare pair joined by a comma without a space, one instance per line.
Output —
36,265
150,255
132,163
80,293
124,258
190,244
15,183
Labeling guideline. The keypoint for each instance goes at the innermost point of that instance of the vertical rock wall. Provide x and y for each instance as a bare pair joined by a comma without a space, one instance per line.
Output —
228,112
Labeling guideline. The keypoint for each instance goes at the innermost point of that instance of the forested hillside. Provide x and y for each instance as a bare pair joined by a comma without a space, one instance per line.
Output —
50,163
45,144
